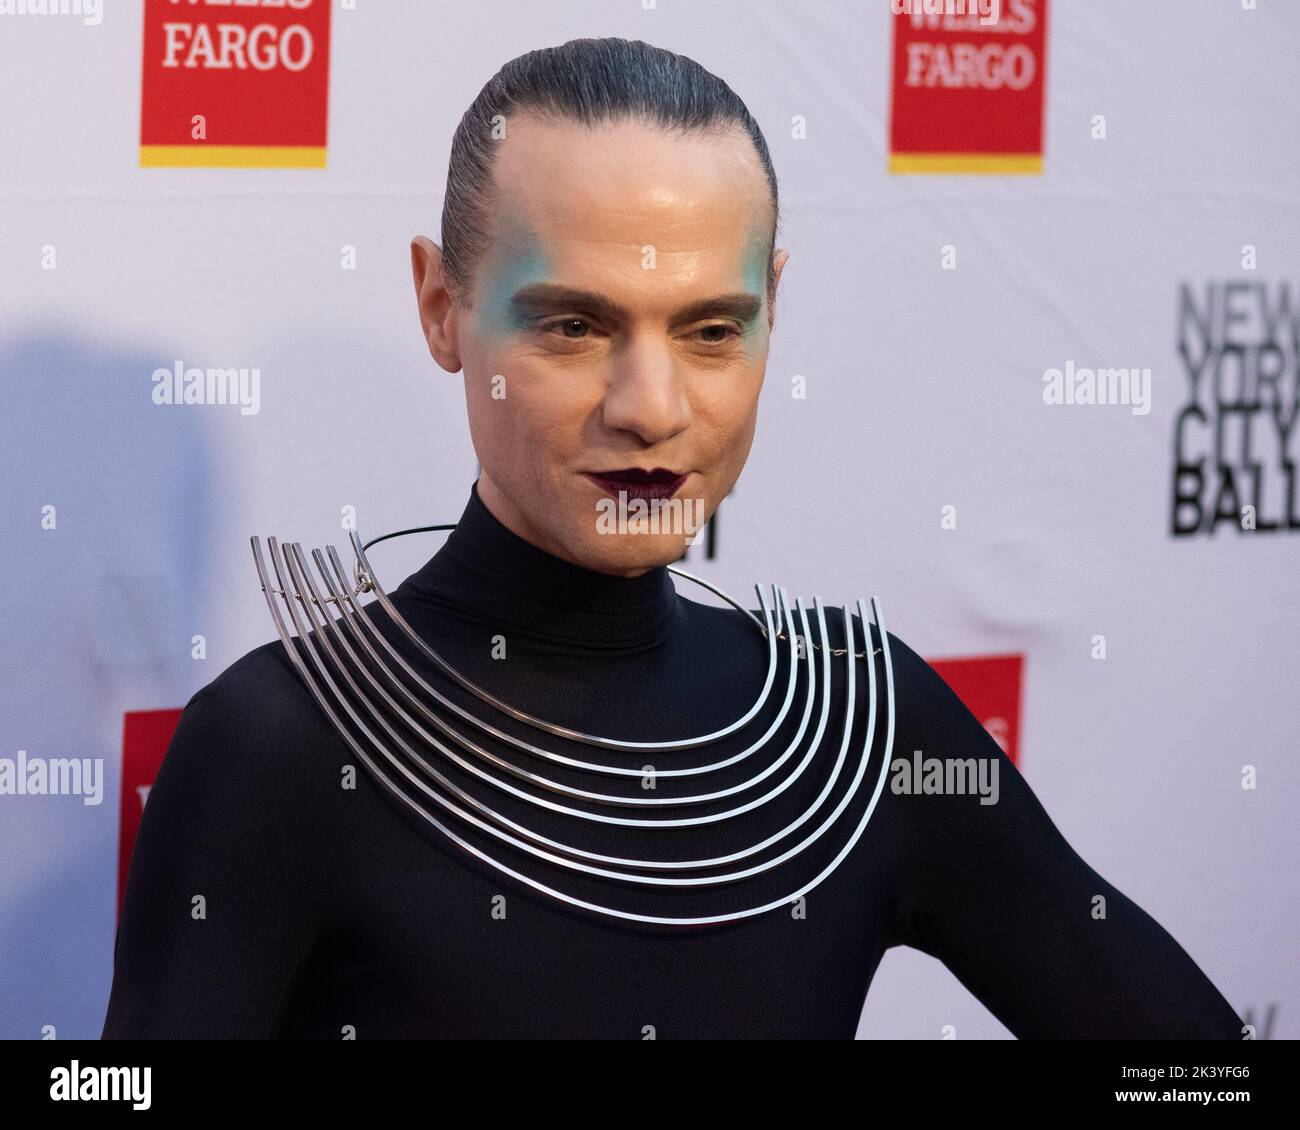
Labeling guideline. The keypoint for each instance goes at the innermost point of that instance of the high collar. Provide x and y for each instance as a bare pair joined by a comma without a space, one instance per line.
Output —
488,573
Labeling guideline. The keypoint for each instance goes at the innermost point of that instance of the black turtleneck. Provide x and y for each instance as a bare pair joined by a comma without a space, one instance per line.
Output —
277,890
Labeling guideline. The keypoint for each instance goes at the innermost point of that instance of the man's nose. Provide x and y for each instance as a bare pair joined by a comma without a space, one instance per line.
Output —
647,393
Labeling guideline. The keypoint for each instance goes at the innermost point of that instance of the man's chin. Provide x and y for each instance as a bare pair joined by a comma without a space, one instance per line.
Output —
631,538
630,554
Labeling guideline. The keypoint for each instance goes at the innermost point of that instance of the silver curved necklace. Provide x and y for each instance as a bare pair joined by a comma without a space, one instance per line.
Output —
334,649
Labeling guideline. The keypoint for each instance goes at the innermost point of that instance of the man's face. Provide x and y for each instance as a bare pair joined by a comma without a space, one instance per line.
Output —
619,321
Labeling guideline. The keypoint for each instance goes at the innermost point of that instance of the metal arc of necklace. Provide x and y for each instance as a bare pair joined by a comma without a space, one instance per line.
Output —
321,640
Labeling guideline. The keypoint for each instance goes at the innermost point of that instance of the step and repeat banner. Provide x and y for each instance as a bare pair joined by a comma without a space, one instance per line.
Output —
1042,313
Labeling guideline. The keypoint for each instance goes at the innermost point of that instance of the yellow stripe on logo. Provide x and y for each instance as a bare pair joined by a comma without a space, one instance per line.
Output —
1002,164
233,156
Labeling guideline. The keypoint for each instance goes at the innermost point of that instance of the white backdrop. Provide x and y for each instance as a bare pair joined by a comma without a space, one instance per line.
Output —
925,390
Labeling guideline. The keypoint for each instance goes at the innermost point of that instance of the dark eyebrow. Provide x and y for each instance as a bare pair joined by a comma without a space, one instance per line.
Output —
539,298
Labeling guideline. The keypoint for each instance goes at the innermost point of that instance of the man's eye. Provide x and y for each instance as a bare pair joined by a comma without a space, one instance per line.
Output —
565,325
717,334
575,329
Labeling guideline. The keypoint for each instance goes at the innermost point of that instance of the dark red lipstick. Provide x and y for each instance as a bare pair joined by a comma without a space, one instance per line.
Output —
638,483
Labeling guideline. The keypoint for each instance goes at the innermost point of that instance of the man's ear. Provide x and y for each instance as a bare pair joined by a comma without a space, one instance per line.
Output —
438,313
778,262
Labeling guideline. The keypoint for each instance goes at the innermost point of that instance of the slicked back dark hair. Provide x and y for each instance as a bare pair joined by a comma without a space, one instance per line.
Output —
591,82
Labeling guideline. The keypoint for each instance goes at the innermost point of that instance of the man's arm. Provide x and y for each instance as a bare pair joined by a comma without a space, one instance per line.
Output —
223,894
997,894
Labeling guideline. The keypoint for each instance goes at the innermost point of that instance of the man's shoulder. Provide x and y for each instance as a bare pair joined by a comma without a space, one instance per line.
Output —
900,653
258,676
915,681
258,702
250,756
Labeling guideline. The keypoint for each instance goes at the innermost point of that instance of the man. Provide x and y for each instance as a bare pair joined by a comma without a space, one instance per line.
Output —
606,283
